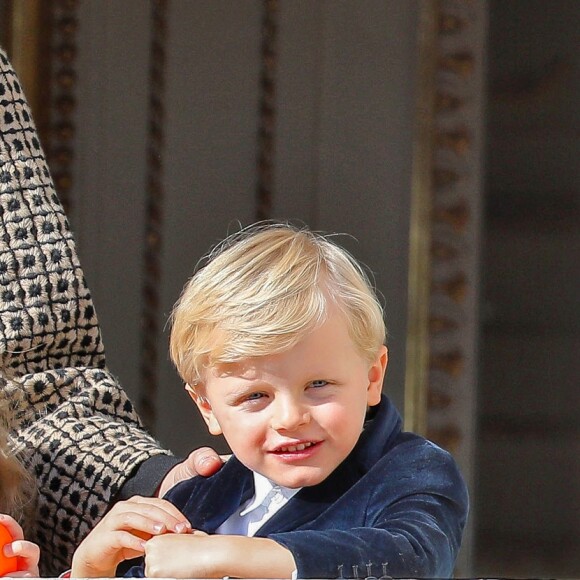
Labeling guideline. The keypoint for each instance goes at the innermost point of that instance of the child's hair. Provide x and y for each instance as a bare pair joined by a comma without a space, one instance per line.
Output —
14,497
261,291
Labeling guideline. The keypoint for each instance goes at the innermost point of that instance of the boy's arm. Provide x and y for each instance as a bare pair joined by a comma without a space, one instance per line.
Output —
199,555
418,538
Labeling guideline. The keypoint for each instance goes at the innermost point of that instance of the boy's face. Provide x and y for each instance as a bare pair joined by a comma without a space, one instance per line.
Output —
295,416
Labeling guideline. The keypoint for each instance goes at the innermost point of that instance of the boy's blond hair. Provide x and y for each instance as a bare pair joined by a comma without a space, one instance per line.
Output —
261,291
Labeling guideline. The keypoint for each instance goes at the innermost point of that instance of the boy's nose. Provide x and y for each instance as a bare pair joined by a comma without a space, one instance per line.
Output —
289,415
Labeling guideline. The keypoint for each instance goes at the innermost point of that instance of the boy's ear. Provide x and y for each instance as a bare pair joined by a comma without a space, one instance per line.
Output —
376,376
206,411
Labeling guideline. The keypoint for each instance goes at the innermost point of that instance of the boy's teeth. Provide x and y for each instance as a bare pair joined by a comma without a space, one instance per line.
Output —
291,448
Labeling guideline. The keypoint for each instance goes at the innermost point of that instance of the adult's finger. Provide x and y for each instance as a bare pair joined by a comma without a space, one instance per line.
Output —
203,461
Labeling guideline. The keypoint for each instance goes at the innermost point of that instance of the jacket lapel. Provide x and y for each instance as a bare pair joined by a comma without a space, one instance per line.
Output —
213,499
310,502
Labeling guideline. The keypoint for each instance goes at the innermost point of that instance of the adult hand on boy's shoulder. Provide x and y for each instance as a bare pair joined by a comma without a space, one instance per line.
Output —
203,461
201,555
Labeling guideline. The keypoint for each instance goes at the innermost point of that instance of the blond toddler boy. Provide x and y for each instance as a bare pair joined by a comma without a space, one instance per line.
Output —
280,340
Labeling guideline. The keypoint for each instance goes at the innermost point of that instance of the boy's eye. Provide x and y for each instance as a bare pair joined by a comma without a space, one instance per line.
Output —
318,383
254,396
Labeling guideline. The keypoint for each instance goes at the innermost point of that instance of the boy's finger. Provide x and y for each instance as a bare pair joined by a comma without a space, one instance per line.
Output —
130,541
150,522
164,511
101,552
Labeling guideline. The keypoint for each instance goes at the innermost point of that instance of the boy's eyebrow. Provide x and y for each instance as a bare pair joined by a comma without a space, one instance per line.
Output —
243,388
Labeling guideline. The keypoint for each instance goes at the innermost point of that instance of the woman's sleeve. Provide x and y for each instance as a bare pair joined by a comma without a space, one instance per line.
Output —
73,426
77,433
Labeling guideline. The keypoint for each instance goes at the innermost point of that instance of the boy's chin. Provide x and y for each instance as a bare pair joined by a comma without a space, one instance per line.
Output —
306,477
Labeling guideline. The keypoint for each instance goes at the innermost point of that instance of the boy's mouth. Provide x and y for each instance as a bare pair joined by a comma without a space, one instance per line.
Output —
295,447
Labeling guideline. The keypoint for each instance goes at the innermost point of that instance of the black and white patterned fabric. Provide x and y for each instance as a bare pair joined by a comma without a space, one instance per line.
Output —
73,426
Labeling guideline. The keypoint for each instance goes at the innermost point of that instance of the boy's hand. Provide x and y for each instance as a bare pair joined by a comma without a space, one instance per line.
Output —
203,461
122,534
28,553
180,557
199,555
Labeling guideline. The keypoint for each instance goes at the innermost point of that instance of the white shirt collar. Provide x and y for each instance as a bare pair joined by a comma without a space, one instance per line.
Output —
262,487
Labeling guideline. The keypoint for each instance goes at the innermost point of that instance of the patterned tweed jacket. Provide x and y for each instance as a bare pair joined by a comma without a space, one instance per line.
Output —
73,426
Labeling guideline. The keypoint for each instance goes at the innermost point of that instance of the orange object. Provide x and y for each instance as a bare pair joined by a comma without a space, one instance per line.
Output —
7,564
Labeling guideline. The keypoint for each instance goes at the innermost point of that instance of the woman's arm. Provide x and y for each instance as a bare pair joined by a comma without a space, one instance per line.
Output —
74,428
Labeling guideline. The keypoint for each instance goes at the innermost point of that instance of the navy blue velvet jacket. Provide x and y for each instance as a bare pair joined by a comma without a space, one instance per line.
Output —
396,506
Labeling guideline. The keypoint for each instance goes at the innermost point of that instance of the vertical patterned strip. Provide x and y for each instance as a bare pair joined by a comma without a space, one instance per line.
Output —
266,130
455,235
153,215
63,80
456,191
